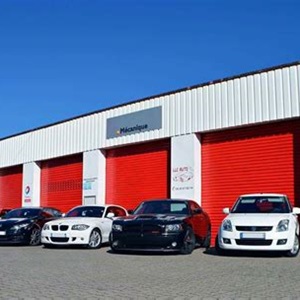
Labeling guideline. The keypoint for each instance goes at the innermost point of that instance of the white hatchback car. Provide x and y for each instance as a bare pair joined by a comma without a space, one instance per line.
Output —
260,222
88,225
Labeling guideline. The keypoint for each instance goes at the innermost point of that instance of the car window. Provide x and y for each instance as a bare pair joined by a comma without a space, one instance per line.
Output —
56,213
259,204
46,214
86,211
117,211
53,212
162,207
23,213
179,208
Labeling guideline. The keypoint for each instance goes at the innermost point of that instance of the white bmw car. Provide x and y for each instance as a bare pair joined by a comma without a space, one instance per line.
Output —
88,225
260,222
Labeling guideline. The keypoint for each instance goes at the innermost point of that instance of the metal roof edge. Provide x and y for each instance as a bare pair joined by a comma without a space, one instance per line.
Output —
158,95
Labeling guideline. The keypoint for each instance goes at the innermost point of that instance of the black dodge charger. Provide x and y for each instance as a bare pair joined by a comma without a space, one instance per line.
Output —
23,225
168,225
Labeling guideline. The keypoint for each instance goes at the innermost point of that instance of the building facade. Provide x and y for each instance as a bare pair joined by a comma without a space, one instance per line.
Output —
210,142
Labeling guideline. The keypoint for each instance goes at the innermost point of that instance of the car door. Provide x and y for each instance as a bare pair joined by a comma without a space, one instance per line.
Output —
198,220
107,221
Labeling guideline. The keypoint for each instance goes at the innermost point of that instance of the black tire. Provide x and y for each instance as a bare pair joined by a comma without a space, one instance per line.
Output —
189,242
114,250
296,248
35,237
95,239
207,241
219,250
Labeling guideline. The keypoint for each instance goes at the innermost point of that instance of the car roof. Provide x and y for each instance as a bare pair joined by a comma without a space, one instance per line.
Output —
97,205
263,195
167,199
31,207
36,207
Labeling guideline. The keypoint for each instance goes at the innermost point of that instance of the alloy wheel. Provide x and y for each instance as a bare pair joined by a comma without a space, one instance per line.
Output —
95,239
35,237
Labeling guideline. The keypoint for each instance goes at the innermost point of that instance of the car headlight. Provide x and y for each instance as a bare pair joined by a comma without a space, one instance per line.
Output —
20,226
46,227
117,227
283,225
226,225
80,227
173,227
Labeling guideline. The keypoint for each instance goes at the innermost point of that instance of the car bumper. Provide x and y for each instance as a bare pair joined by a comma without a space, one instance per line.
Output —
66,238
259,241
16,239
146,242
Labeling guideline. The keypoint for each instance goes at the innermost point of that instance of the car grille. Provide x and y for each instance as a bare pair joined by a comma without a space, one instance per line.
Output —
59,239
139,228
253,242
253,228
61,227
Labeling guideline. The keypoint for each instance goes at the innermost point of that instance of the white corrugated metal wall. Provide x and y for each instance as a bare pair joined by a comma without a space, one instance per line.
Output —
266,96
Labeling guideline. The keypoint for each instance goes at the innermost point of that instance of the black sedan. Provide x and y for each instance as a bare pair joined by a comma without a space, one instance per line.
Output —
23,225
166,225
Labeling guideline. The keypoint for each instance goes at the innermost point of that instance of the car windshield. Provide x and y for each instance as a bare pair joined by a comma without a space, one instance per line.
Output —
86,211
23,213
162,207
272,204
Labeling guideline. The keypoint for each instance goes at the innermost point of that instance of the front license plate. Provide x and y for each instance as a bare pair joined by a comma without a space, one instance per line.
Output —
58,235
252,235
2,233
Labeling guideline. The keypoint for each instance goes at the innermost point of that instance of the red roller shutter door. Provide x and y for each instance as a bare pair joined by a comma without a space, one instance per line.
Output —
250,160
137,172
11,187
61,182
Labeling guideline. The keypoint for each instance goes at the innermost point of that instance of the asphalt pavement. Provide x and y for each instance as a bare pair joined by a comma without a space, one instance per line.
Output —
40,273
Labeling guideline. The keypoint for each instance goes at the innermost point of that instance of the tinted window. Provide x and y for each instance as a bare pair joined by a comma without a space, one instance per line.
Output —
162,207
86,211
260,204
23,213
53,212
117,211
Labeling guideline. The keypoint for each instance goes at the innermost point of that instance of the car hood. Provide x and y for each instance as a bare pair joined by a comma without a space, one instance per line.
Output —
7,223
152,217
257,219
75,220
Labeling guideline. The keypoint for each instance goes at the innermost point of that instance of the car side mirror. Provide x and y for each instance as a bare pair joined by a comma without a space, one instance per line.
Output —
197,211
110,215
296,211
226,210
44,215
130,211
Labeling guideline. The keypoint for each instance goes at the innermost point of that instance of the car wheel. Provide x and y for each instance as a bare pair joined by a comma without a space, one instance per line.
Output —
189,242
95,239
296,247
207,241
35,237
219,250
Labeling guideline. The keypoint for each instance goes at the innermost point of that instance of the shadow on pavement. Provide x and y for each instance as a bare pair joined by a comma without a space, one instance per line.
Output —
271,254
142,253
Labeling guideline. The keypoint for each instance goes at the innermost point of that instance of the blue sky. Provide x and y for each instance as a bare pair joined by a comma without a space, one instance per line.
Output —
64,58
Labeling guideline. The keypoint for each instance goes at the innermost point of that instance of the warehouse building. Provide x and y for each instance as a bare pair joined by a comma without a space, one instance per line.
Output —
210,142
